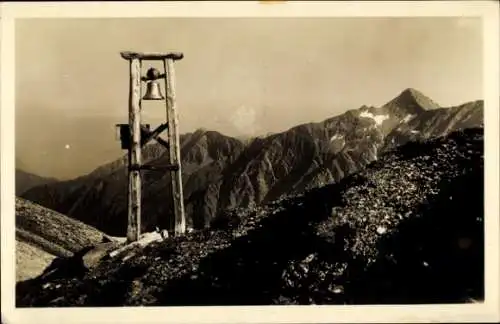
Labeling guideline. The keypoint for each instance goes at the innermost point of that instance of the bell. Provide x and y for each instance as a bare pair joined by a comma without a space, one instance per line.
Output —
153,91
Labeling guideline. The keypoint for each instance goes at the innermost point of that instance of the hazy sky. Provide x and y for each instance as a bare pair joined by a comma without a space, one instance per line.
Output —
239,76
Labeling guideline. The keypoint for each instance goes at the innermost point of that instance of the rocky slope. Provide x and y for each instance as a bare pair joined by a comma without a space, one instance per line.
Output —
220,172
406,229
43,235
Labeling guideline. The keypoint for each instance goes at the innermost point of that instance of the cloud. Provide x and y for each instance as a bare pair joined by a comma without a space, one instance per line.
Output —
244,119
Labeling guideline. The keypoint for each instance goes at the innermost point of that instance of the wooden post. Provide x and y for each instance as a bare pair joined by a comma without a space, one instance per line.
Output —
174,144
134,189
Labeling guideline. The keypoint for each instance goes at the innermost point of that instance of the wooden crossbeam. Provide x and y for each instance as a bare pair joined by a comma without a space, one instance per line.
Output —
161,76
166,167
129,55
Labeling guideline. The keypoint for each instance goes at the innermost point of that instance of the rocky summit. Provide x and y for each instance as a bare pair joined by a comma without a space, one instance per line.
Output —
408,228
221,172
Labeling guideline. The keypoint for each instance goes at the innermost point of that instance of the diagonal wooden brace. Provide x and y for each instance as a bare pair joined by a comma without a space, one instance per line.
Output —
162,142
155,134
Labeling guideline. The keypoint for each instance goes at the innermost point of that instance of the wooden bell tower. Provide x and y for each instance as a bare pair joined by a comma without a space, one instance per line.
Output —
135,135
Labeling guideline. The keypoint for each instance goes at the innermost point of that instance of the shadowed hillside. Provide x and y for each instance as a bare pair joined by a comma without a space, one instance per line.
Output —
221,172
26,181
407,229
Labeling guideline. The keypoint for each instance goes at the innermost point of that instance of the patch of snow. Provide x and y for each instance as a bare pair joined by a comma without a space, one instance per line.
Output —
414,132
408,118
367,114
336,137
379,119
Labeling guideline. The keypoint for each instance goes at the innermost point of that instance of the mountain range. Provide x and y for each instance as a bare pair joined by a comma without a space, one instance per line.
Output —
407,229
221,173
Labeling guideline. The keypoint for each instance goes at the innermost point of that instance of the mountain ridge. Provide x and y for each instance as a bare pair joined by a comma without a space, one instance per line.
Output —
414,101
221,172
26,180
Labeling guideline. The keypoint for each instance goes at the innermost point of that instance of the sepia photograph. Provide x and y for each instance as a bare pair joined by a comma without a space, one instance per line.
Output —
258,160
